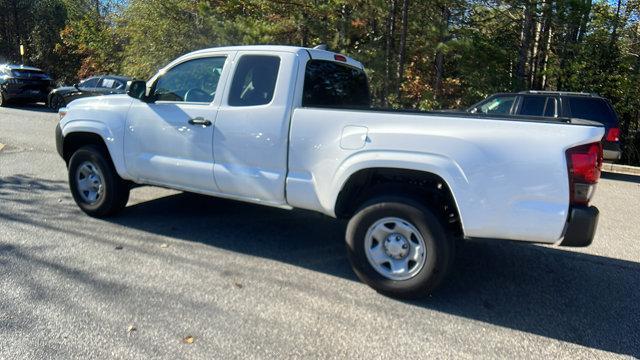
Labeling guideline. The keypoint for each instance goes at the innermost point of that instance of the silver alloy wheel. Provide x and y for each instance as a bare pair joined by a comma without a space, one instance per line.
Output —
89,181
395,248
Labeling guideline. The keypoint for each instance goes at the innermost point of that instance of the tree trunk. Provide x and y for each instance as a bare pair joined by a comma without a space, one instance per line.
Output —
388,50
614,30
439,61
521,67
539,81
403,47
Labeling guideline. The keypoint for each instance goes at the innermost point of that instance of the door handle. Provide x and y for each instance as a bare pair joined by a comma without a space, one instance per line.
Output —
200,121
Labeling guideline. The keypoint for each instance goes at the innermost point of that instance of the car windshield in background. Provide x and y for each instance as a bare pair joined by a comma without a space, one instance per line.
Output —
333,85
589,108
29,74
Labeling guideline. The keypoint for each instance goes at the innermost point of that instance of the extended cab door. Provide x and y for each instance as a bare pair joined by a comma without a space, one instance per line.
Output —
169,141
252,127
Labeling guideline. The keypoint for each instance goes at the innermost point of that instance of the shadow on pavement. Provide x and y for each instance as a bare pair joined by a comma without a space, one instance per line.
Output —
621,177
589,300
38,107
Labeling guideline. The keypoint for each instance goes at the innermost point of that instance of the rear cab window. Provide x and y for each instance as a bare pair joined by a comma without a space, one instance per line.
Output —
591,108
328,84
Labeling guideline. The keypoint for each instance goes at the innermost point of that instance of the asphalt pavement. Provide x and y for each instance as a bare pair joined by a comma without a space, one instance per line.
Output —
182,276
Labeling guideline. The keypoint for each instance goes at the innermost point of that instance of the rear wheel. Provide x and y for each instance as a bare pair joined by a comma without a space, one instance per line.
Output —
95,184
398,247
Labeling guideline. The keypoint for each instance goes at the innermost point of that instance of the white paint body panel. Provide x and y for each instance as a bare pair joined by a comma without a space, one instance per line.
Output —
508,178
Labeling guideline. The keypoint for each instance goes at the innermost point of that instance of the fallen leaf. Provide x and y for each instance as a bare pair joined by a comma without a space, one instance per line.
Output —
131,329
188,340
238,285
119,247
164,246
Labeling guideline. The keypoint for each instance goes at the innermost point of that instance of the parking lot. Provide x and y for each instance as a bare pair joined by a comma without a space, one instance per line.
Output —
185,276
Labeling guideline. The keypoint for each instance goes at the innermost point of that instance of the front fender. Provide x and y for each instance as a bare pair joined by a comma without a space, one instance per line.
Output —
110,136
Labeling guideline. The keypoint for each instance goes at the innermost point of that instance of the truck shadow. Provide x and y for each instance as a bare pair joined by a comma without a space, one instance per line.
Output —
584,299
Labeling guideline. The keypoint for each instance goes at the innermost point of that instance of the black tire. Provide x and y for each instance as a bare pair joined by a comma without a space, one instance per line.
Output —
439,248
115,190
56,102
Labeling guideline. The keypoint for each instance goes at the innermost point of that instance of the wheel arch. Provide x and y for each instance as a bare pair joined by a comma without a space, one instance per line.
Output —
77,134
435,184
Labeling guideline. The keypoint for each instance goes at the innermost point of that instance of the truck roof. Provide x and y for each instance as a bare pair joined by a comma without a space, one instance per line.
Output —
317,54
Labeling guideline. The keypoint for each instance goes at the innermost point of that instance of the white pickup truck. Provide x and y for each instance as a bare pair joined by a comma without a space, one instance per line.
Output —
292,127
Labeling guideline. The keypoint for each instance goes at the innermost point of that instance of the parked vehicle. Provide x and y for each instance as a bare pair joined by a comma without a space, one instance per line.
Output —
558,104
291,127
23,83
93,86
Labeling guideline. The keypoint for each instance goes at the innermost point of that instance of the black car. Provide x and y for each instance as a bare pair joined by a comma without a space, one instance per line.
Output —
93,86
555,104
23,83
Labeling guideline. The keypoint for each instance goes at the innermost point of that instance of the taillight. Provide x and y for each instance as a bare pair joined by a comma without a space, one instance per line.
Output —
339,57
584,163
613,135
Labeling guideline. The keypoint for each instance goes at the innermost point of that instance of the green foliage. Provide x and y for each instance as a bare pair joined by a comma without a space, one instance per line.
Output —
451,52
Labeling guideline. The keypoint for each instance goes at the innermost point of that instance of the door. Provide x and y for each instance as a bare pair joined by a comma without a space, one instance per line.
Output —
252,127
169,141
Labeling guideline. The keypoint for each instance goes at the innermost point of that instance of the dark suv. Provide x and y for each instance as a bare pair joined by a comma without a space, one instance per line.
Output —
555,104
19,82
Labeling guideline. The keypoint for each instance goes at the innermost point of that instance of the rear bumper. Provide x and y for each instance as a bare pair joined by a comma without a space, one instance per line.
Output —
611,151
33,92
581,226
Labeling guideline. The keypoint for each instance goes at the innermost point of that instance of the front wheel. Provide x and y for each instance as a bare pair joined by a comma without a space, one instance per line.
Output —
398,247
56,102
95,184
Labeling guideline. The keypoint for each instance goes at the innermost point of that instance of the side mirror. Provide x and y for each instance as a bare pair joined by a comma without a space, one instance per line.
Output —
137,89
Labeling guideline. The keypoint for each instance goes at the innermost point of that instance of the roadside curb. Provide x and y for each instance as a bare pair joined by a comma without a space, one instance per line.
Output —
621,169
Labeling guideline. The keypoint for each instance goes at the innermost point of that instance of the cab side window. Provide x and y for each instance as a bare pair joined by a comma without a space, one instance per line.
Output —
191,81
254,81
